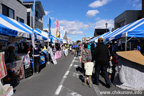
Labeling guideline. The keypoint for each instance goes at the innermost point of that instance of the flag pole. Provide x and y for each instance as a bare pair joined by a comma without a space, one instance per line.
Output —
48,36
33,36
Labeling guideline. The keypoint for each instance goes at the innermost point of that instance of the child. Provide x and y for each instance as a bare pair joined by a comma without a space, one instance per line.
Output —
89,69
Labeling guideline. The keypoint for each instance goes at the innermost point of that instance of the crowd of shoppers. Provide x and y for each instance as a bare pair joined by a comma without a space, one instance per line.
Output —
98,56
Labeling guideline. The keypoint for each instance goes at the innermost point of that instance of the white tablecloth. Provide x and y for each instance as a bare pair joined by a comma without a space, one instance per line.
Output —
129,75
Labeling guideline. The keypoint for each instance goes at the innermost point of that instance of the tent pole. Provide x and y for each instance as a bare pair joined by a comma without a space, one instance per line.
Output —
130,45
126,42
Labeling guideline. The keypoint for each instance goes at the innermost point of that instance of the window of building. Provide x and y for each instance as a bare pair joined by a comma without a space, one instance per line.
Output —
7,11
20,19
11,13
28,18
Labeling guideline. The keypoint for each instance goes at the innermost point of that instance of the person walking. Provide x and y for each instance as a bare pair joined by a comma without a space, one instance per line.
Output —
36,56
92,47
84,54
77,50
89,47
101,56
89,69
66,49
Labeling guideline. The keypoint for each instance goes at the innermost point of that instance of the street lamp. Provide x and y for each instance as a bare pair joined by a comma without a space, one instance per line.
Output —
106,26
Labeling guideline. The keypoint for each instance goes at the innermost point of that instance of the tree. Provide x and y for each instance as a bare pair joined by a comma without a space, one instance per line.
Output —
78,41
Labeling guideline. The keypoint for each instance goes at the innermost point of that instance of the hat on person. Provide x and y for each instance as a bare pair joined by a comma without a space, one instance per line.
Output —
100,39
89,58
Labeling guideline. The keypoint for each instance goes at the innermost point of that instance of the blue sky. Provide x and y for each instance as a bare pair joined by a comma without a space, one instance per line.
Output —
83,16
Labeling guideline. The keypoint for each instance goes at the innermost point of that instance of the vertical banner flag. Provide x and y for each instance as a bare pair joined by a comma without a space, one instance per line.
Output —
62,32
3,71
57,25
51,39
57,29
33,12
49,27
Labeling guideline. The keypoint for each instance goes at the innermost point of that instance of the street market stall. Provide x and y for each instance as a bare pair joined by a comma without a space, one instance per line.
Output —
96,38
130,70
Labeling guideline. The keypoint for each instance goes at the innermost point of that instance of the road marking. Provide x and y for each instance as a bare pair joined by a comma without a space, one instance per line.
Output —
76,66
72,93
58,90
76,61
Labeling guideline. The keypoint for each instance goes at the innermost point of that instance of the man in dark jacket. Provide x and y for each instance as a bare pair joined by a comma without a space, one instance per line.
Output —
101,57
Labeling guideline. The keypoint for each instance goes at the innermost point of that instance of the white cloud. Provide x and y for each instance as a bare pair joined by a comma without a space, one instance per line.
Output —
51,18
101,24
73,27
136,4
98,18
46,13
98,3
92,13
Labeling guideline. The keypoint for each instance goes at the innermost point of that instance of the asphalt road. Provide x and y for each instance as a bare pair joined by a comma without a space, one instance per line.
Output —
64,79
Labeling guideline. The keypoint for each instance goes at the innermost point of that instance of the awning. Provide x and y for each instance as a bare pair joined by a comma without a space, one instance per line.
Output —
12,27
96,38
42,33
137,31
130,28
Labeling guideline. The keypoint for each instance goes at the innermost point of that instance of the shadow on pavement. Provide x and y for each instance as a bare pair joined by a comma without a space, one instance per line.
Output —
81,78
41,67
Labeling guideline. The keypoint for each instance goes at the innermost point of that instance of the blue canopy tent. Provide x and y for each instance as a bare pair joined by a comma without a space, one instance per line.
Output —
92,40
13,25
96,38
137,31
127,28
7,31
41,33
134,29
114,32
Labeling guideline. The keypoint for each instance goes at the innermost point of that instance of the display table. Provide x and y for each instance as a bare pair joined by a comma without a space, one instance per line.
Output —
130,70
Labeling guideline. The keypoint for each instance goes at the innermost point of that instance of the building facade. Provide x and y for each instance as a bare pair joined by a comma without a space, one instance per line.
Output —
39,13
14,9
127,17
143,8
98,32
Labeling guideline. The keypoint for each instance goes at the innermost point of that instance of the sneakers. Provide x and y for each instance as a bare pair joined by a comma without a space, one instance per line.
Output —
90,86
84,84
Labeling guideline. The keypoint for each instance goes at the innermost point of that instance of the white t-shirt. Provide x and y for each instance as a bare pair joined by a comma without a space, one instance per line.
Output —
89,68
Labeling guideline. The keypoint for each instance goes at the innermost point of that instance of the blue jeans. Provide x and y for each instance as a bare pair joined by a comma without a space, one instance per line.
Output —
77,53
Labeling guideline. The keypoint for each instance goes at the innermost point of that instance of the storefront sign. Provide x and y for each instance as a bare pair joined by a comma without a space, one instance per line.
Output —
26,61
52,56
3,71
42,60
17,67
